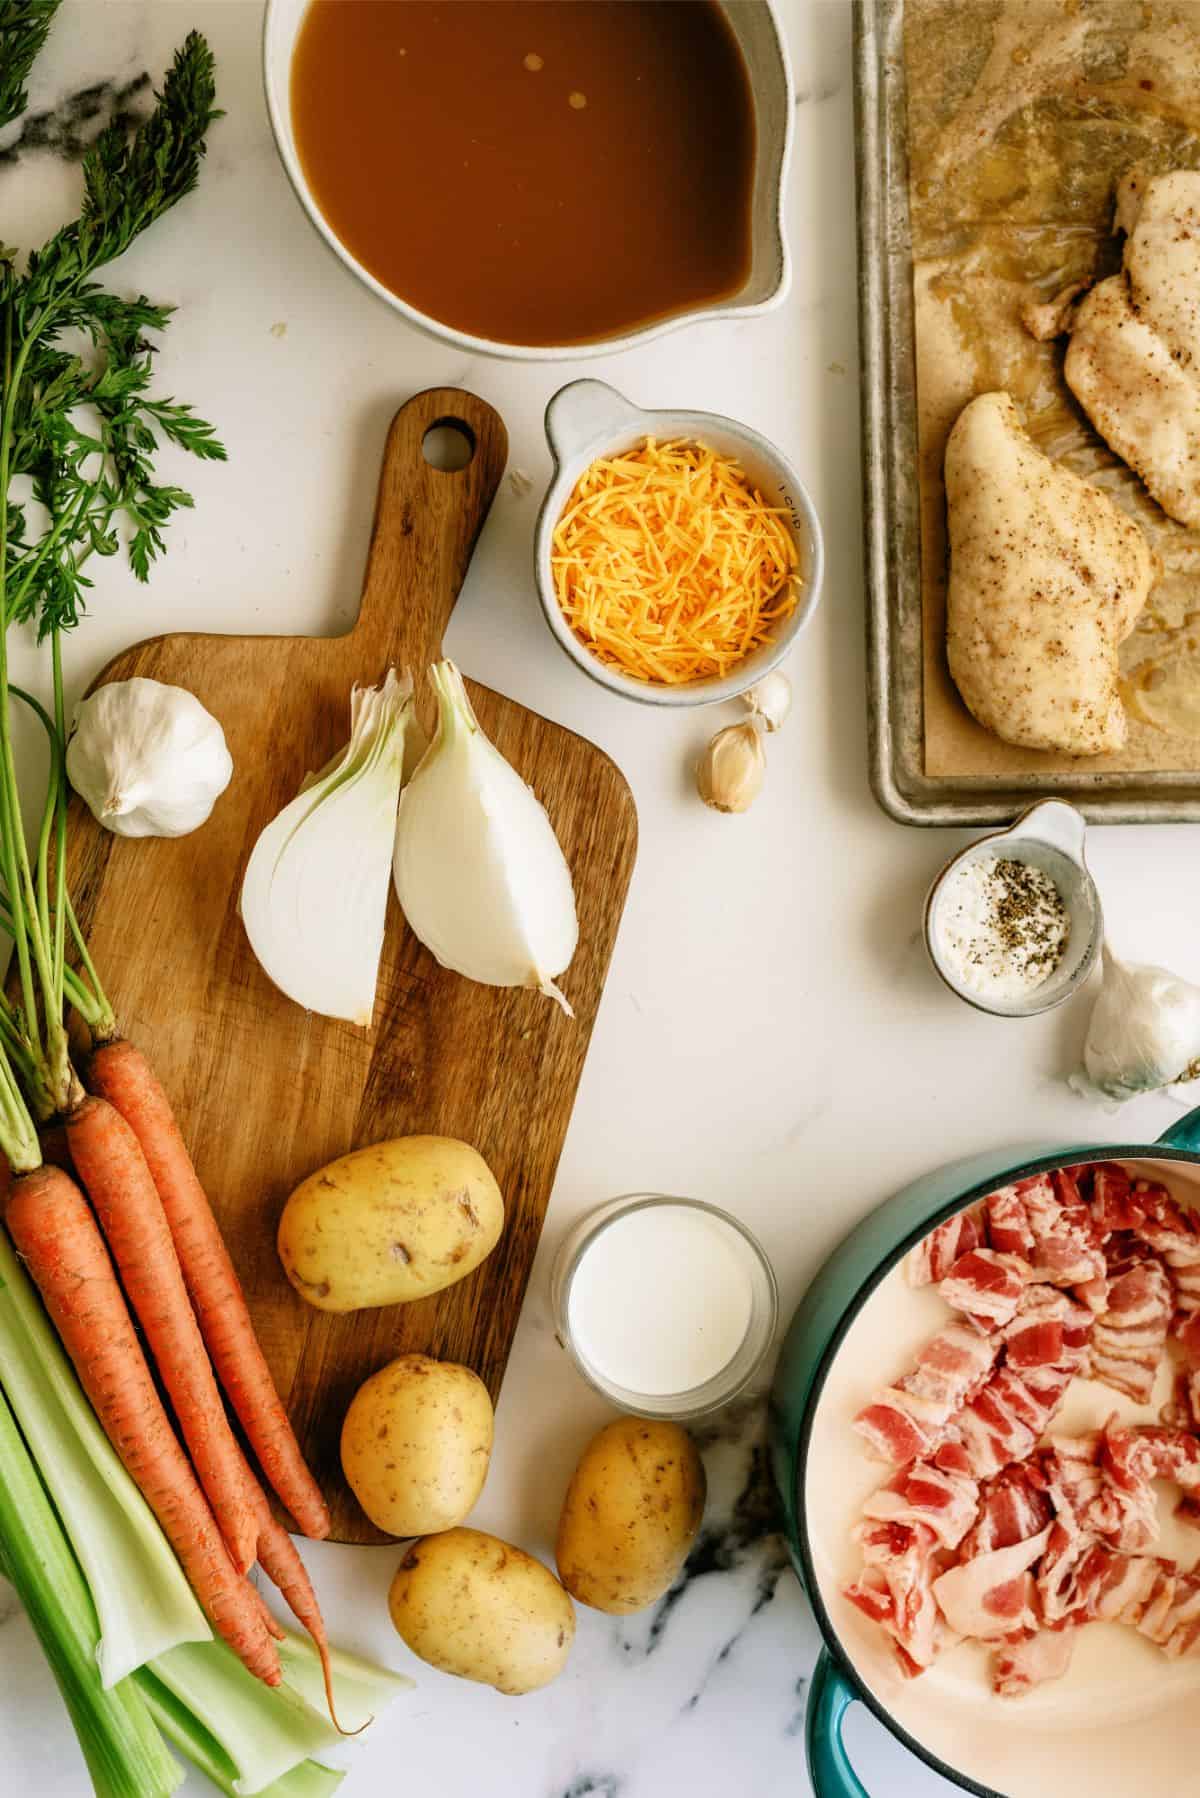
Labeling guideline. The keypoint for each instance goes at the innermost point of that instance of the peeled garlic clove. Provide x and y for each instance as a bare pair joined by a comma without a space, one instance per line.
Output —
148,758
771,699
729,774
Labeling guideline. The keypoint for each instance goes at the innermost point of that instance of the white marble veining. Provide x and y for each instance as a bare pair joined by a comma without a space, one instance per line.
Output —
772,1038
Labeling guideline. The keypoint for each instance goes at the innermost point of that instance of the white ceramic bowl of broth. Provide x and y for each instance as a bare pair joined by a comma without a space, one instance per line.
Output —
589,419
756,30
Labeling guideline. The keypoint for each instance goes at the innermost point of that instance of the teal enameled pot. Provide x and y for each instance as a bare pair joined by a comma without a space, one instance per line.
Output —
1082,1732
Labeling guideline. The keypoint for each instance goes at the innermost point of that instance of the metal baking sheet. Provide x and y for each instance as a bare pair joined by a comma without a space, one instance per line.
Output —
891,498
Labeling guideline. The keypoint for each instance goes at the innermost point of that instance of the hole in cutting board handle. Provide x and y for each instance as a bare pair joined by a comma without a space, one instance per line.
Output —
448,445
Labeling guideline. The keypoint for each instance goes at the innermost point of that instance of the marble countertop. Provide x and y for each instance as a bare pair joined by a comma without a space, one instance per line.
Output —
771,1039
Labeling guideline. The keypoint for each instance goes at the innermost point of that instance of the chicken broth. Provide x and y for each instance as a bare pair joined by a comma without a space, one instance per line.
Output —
530,173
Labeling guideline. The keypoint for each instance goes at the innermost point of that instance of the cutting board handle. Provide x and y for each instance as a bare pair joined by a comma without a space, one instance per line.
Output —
426,522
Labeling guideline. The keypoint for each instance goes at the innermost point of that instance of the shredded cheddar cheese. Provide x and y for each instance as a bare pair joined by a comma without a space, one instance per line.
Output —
669,565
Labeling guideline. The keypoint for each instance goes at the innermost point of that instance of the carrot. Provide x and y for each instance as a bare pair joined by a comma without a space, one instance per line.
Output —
112,1169
280,1560
273,1627
55,1232
120,1073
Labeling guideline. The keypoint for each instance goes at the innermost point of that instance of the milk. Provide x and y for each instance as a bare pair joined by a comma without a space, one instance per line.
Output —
661,1300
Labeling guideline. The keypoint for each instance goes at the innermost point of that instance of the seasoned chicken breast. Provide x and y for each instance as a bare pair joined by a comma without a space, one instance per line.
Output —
1133,361
1047,576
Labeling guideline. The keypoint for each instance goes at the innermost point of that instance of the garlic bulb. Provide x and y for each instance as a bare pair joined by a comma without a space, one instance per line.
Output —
1144,1033
314,897
148,758
729,775
770,699
479,872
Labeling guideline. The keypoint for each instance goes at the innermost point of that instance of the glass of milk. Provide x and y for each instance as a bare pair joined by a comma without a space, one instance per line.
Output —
667,1306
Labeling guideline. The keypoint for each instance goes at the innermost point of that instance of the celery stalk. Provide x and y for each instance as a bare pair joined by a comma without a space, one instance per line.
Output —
361,1688
307,1779
263,1733
125,1755
143,1602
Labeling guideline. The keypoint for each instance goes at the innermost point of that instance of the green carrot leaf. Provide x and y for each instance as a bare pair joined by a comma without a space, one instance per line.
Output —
24,27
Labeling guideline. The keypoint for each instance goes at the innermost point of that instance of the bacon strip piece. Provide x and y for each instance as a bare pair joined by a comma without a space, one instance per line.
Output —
986,1287
1032,1660
994,1594
934,1256
1004,1422
1129,1340
1012,1507
1049,1329
1112,1204
1177,1624
946,1503
1046,1220
1125,1510
903,1421
895,1589
1173,1234
1008,1226
1067,1246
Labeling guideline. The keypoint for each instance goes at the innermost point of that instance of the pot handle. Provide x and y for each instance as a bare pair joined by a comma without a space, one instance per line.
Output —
829,1698
1186,1133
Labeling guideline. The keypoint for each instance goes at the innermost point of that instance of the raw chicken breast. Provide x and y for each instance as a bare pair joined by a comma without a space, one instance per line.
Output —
1047,576
1133,362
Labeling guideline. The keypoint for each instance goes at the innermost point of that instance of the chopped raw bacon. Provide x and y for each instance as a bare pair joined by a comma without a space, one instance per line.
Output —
946,1503
903,1421
1070,1466
1184,1409
1067,1246
1097,1584
1128,1341
1008,1227
1125,1584
1112,1201
1031,1661
1174,1235
991,1531
986,1287
1048,1329
994,1594
951,1366
1012,1507
896,1587
1125,1510
935,1254
1172,1618
1058,1575
890,1429
1147,1451
1004,1421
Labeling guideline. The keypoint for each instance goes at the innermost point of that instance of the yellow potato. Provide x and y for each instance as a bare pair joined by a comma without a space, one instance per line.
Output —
631,1514
390,1223
479,1608
416,1443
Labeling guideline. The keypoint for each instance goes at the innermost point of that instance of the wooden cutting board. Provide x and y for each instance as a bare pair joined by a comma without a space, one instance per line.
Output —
266,1092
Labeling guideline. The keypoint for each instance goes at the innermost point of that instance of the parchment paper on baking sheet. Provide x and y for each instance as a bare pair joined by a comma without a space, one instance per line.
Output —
1022,117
